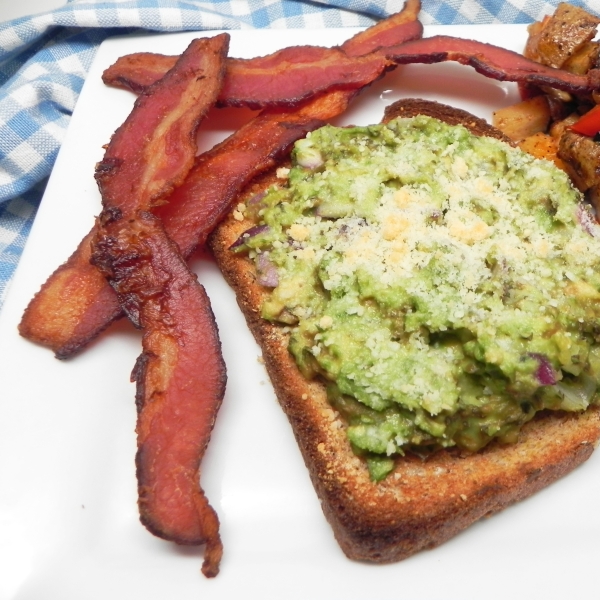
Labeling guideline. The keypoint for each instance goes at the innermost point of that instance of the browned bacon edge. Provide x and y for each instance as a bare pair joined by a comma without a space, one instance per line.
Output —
75,299
180,372
76,305
291,75
492,61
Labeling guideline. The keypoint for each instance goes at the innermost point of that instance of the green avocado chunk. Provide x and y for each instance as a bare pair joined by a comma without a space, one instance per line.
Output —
445,285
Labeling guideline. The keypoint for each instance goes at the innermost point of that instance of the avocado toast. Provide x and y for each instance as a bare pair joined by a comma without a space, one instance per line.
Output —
430,484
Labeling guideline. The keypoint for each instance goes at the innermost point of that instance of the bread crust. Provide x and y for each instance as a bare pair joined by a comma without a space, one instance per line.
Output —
422,503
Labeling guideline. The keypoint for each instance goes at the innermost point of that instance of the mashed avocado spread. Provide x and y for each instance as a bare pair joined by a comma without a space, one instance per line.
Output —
445,286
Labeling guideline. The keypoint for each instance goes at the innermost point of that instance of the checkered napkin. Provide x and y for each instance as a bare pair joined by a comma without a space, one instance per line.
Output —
44,60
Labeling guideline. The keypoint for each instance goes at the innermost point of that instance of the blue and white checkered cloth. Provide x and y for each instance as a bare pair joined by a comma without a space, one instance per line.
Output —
44,60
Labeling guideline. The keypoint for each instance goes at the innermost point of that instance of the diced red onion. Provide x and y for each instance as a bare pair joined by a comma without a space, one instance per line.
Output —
253,231
545,374
267,272
310,162
257,198
577,395
307,156
586,220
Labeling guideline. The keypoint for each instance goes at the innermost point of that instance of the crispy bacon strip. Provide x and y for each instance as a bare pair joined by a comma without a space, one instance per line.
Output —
181,370
284,78
491,61
132,175
76,304
291,75
180,377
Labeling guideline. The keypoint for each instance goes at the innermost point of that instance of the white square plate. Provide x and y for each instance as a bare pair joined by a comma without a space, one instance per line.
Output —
68,515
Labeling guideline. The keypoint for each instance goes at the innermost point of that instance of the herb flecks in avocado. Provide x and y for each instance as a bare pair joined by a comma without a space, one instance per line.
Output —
442,282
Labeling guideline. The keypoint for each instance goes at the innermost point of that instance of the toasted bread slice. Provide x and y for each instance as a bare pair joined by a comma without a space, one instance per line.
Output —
422,503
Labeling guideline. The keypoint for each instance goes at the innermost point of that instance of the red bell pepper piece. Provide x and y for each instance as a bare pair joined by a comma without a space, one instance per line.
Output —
589,124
